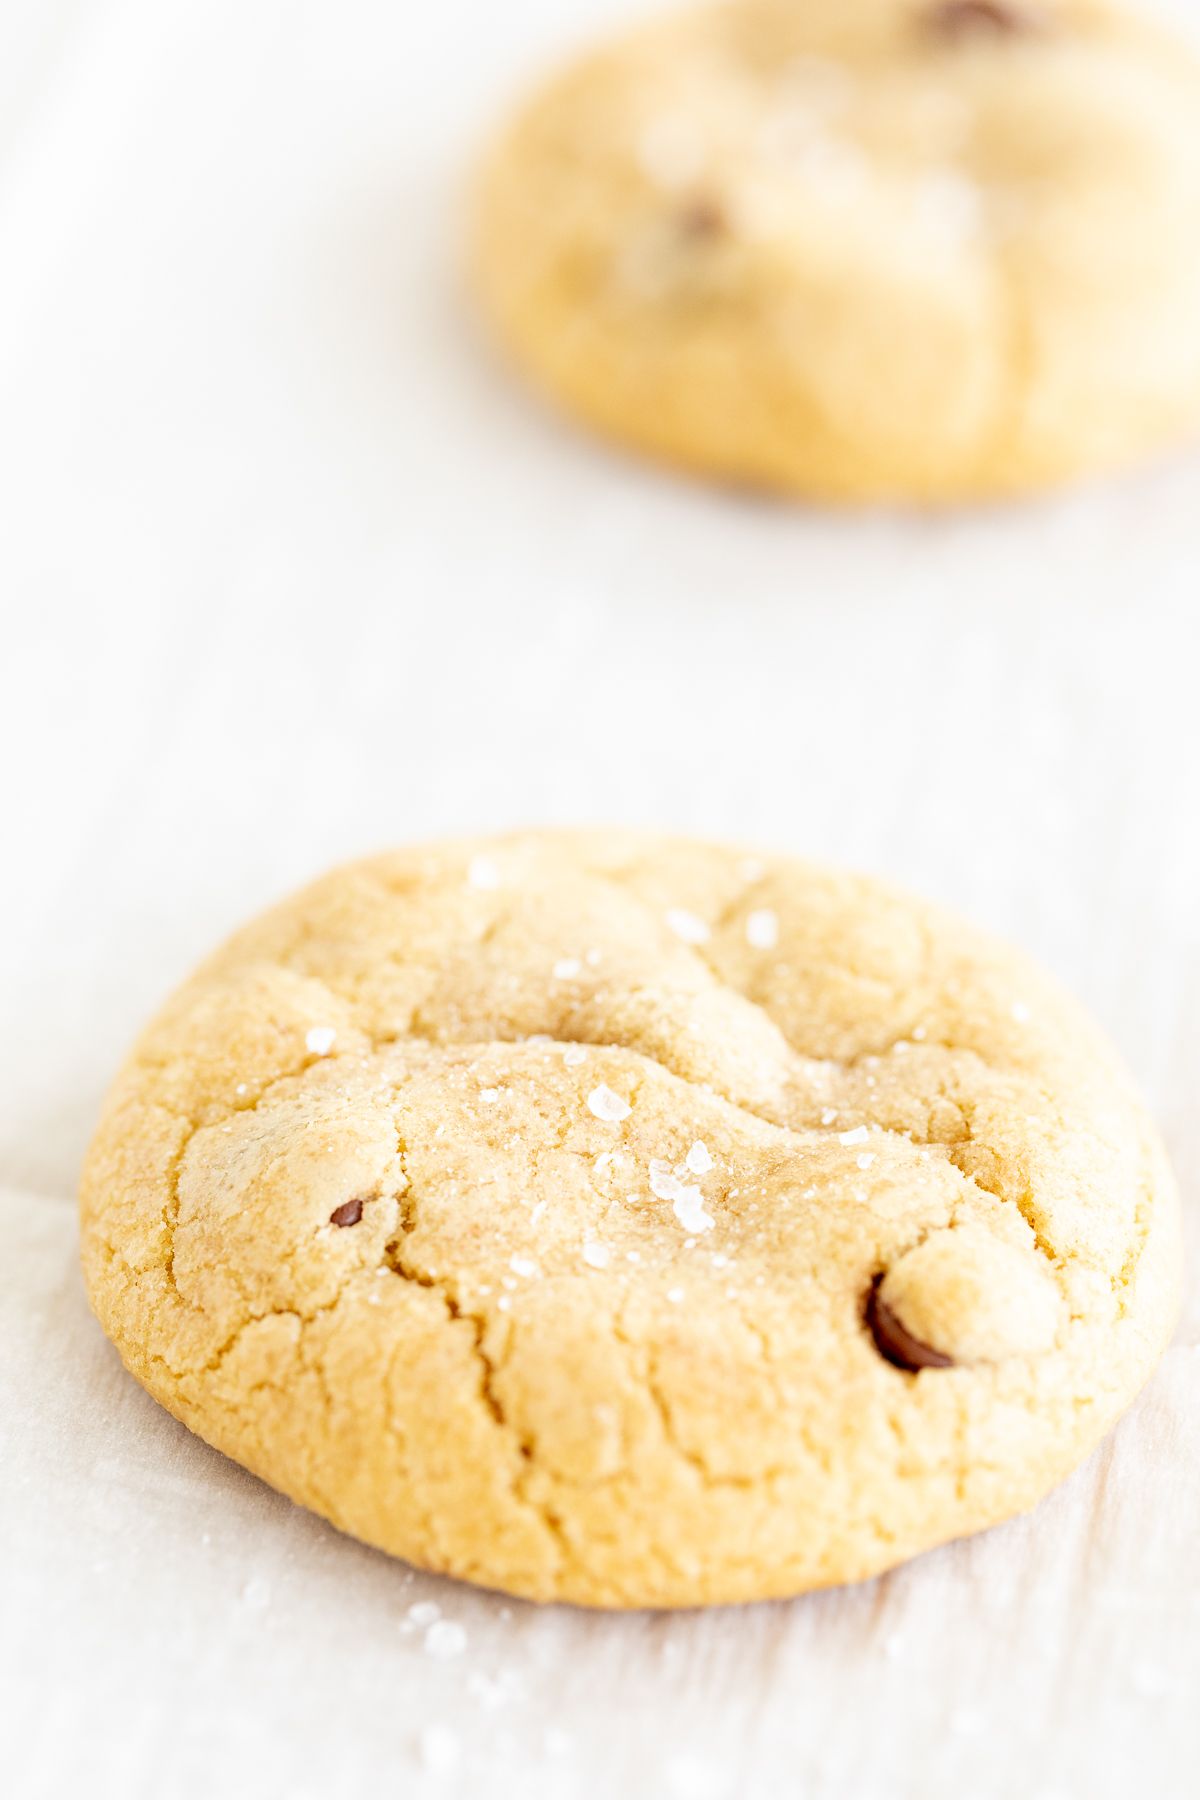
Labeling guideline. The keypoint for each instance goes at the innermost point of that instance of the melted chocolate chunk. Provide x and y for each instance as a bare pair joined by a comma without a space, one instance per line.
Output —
898,1345
995,18
349,1213
703,218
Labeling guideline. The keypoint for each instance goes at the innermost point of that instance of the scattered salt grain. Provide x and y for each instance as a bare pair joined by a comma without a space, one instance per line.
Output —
567,968
256,1595
608,1106
445,1639
674,1295
319,1040
828,1116
865,1160
489,1690
489,1096
573,1055
1020,1012
698,1159
595,1255
762,929
859,1135
422,1613
687,927
522,1265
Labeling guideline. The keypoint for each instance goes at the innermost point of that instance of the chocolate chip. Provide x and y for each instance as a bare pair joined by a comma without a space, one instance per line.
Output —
703,218
348,1213
898,1345
995,18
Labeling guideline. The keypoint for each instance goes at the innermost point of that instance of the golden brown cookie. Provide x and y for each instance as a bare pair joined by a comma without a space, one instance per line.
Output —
631,1221
862,249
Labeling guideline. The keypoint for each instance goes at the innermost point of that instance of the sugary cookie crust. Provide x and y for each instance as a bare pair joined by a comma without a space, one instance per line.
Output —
862,249
556,1211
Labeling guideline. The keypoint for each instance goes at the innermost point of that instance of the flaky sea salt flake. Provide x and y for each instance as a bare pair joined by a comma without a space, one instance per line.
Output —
483,873
762,928
445,1639
607,1105
689,1210
687,927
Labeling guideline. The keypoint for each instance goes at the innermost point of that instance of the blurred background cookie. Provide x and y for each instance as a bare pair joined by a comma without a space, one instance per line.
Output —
861,249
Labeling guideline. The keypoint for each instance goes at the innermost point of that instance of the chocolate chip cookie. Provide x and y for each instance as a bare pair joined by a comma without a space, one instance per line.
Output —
631,1221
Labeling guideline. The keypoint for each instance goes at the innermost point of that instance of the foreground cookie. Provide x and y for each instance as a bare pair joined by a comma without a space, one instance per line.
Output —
863,248
631,1222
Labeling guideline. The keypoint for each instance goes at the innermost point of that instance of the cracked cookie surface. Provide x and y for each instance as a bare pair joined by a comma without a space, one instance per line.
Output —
862,249
631,1221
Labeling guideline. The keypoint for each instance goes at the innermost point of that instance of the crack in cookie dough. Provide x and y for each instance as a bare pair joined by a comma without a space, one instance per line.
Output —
531,1240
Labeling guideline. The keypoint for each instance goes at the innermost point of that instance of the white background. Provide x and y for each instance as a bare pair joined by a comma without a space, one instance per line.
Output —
291,570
